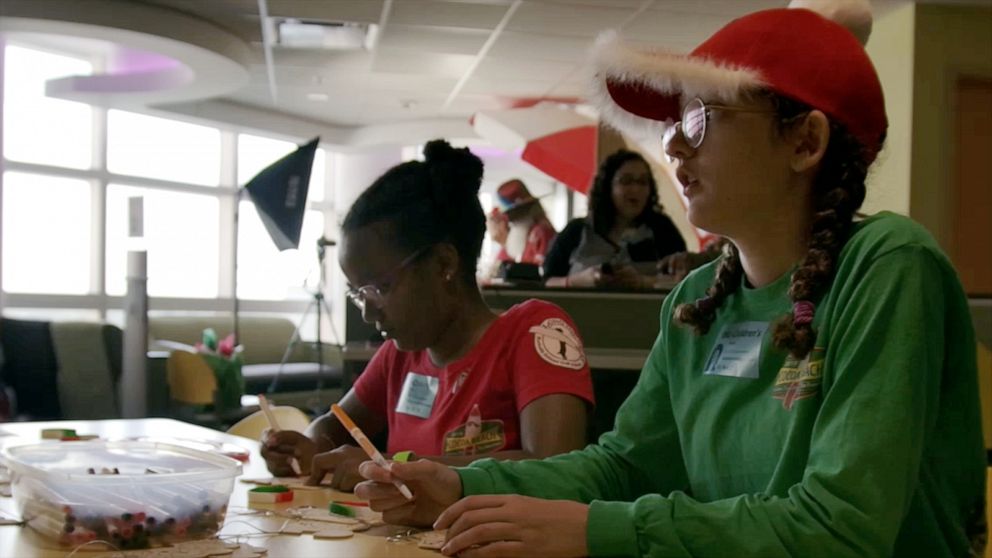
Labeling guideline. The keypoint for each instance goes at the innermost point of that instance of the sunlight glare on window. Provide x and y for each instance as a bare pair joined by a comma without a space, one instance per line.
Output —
46,234
265,273
49,131
181,236
151,147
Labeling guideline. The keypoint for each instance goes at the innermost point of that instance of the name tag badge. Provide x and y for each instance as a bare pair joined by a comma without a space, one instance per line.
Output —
417,397
737,351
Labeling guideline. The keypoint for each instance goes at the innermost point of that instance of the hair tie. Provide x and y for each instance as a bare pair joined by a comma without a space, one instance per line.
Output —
802,312
706,305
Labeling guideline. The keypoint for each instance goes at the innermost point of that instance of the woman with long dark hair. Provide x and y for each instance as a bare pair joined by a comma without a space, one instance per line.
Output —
624,236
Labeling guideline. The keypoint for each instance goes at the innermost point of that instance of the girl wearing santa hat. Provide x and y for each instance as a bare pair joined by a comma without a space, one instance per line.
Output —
811,393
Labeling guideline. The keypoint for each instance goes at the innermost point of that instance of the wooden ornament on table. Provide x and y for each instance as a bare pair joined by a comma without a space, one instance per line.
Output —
432,540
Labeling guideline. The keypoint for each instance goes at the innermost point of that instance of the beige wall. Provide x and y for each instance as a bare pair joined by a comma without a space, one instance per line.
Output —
891,50
949,41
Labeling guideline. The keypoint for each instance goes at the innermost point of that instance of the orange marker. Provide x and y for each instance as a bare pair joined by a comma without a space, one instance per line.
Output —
363,441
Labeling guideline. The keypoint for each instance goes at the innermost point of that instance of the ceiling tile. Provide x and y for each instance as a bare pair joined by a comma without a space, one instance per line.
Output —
507,88
727,9
237,16
494,68
527,46
632,4
360,11
445,40
562,19
668,30
444,13
409,83
441,65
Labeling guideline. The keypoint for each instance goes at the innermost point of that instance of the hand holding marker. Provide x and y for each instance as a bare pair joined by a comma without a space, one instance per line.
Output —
363,441
274,426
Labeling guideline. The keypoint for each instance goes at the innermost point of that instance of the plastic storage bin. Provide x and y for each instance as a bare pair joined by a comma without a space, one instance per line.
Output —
132,494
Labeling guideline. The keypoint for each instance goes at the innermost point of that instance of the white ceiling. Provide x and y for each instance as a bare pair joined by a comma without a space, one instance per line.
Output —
448,58
435,64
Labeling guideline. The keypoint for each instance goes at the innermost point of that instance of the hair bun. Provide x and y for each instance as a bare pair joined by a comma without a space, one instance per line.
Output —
454,171
438,150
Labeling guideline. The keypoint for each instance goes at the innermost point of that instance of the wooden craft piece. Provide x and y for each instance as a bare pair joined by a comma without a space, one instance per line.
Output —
317,514
333,533
432,540
301,526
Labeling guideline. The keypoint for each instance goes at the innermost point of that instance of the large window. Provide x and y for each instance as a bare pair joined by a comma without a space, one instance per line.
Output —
48,131
46,234
66,213
180,233
151,147
268,274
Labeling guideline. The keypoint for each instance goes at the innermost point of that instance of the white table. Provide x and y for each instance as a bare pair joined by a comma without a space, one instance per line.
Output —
22,542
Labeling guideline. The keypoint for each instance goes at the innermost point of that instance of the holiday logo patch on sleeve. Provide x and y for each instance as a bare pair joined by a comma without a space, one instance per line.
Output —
556,342
799,379
475,437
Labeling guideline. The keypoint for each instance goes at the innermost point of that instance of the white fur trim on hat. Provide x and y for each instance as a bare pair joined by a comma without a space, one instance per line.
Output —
854,15
665,72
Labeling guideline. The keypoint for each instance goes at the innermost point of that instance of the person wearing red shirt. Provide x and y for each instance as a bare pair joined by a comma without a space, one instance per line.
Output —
528,352
455,380
519,225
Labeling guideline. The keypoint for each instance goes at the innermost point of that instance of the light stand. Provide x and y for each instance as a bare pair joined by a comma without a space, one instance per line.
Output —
318,304
279,193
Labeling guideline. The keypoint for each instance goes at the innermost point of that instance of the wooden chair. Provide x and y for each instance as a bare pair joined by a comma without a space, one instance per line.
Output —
191,381
289,418
192,387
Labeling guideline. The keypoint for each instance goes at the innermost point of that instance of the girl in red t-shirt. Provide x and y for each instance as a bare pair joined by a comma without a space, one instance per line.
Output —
454,380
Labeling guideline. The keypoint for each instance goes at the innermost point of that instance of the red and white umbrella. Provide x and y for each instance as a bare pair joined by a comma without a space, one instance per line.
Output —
555,139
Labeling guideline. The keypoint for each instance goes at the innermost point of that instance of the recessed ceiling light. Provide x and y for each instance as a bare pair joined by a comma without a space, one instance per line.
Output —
332,35
317,96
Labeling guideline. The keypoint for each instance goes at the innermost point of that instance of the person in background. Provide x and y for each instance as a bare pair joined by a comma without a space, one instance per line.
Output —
839,416
679,264
454,380
626,233
519,225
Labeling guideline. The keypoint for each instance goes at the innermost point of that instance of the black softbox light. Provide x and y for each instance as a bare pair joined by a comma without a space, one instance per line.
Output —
279,193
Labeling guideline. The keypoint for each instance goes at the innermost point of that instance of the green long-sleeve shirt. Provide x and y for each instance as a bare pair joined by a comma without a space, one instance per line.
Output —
871,446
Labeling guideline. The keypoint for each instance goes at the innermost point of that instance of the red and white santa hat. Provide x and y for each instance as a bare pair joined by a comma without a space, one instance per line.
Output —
812,52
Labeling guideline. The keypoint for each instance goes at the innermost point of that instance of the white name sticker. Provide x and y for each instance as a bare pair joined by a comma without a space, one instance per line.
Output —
737,351
417,397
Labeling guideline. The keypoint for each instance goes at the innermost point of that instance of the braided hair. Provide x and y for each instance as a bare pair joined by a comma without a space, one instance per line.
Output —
838,192
429,202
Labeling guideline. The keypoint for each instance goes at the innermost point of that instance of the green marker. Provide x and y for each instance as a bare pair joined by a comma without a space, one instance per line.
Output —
340,509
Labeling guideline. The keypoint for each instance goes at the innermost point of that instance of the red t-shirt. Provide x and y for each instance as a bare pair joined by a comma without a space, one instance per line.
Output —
540,236
472,406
